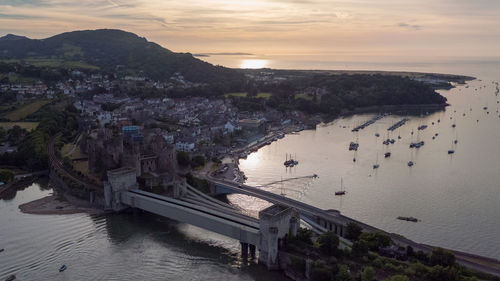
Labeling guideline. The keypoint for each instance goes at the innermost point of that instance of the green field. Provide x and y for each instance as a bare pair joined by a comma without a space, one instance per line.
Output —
55,63
243,95
60,63
25,125
303,96
25,110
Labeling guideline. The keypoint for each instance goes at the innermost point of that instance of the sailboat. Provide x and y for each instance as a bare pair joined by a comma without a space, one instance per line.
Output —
341,191
282,189
451,151
376,165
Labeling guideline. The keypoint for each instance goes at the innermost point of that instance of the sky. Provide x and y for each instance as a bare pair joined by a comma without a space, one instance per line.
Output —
338,28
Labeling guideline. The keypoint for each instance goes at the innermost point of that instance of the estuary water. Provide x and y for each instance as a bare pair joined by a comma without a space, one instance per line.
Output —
455,196
113,247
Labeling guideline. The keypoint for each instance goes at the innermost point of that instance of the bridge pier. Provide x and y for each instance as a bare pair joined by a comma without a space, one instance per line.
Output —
276,223
252,251
244,250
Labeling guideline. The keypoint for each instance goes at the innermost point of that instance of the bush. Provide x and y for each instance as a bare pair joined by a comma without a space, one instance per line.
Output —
304,235
360,248
298,264
368,274
417,269
375,240
183,158
6,176
320,271
328,243
343,274
198,161
440,273
399,278
353,231
441,257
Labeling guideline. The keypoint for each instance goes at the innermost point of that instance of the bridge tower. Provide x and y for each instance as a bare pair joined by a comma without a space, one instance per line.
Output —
119,180
276,224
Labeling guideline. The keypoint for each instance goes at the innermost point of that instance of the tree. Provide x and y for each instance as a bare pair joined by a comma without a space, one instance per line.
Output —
360,248
441,257
3,133
353,231
321,272
399,278
198,161
343,274
16,134
304,235
183,158
6,176
375,240
368,274
328,243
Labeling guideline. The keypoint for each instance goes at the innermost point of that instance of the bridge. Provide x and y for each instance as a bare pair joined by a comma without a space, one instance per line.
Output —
265,233
319,219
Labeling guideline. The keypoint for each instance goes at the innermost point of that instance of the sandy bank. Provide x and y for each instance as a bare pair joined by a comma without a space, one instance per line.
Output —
50,205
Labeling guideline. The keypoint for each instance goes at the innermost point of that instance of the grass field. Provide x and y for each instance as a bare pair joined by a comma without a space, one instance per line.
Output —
60,63
25,125
48,62
242,95
76,153
303,96
25,110
83,167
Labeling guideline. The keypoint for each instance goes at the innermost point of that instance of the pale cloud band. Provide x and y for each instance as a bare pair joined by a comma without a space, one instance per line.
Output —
413,28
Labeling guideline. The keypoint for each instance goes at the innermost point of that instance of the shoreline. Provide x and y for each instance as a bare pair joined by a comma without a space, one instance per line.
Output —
51,205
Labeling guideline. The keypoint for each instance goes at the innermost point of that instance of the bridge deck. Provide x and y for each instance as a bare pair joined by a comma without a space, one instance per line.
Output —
237,227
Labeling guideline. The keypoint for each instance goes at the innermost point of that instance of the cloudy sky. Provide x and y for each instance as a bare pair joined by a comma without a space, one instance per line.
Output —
294,27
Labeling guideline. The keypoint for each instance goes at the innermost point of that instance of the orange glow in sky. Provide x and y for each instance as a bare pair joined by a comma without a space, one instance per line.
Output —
276,27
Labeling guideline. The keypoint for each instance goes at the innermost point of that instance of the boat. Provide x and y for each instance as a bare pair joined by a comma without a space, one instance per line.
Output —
341,191
376,165
423,127
63,268
11,278
353,146
412,219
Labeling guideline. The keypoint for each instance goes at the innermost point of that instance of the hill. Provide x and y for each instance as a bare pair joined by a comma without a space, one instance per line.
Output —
111,50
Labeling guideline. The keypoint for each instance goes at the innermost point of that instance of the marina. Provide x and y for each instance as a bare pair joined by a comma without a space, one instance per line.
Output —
406,181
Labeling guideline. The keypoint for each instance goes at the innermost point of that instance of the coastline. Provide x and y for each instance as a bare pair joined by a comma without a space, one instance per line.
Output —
51,205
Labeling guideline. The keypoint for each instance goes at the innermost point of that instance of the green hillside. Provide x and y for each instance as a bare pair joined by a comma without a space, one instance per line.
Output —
111,51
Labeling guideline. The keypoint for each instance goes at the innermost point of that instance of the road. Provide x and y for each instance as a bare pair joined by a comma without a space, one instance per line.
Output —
483,264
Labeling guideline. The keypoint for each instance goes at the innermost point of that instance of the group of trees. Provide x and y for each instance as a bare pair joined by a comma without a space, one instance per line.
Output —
328,262
32,149
340,92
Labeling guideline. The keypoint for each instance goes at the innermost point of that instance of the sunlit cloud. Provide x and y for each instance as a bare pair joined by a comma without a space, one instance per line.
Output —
454,27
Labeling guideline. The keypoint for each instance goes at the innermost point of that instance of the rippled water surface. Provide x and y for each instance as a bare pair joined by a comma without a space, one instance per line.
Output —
455,196
113,247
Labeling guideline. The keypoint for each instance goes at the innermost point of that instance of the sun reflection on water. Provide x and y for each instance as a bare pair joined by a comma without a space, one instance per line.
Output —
254,63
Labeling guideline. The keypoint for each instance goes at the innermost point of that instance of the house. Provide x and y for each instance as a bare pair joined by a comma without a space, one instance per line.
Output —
185,145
